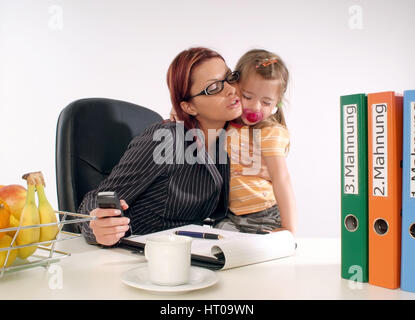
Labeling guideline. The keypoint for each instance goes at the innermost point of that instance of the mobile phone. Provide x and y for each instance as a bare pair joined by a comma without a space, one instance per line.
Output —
110,200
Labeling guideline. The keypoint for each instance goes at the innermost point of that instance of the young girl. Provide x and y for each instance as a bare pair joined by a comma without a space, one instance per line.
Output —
261,194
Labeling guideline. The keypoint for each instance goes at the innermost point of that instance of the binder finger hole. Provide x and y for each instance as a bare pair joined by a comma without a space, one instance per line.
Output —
381,227
412,230
351,223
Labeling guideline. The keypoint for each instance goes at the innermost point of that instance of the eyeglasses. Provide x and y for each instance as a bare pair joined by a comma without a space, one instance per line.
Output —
217,86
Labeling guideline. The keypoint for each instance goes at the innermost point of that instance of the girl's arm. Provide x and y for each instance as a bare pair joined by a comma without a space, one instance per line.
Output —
283,192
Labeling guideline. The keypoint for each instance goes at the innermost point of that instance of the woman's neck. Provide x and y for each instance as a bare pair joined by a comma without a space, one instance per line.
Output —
238,121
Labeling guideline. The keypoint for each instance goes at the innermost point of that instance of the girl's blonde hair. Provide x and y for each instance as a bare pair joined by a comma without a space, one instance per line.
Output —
270,67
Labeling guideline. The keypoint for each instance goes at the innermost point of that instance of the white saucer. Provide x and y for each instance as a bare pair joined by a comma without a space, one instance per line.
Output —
139,278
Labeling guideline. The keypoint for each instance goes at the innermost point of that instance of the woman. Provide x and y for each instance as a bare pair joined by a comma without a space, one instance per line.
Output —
159,194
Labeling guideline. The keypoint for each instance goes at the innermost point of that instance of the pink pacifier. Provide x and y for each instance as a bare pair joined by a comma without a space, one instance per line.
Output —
252,116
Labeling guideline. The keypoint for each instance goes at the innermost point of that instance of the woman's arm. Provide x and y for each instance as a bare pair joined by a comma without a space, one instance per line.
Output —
283,191
136,170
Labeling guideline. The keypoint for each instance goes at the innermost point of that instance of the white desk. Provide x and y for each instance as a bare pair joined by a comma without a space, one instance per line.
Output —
94,273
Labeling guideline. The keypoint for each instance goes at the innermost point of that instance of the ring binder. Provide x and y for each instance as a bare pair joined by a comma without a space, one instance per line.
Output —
354,185
385,188
408,194
236,249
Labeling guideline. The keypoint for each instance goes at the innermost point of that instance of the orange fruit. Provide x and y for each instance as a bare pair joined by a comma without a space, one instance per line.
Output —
4,216
5,242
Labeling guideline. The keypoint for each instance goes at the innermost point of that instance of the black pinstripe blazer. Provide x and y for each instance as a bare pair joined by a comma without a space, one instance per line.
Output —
164,195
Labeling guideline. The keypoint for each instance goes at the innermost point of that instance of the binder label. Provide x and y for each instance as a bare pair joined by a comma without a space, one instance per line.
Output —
412,161
350,153
379,150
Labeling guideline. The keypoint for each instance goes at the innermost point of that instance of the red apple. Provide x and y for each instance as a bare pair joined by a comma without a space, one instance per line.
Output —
15,197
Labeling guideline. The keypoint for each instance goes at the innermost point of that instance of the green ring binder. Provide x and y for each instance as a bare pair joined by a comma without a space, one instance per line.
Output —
354,186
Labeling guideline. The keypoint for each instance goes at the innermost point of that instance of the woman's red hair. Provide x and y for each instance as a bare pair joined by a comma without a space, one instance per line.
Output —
179,79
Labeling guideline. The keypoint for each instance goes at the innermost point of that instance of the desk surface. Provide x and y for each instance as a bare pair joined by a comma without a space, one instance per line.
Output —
94,273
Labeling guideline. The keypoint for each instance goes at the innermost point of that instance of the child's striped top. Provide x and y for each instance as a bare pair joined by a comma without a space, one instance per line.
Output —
250,185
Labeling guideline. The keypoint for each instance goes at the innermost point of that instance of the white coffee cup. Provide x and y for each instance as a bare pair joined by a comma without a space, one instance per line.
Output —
169,258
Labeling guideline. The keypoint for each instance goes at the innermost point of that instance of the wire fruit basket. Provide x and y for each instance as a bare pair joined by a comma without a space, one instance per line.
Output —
44,255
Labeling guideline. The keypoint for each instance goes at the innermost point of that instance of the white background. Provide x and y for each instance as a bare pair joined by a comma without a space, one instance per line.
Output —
54,52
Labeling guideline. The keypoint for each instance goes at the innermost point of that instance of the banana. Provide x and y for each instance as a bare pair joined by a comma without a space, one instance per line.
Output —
47,215
29,216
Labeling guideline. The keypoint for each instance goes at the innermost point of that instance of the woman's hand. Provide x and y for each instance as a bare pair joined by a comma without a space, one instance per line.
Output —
109,228
173,115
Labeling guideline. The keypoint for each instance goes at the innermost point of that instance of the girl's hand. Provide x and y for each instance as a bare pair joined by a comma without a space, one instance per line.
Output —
283,191
109,228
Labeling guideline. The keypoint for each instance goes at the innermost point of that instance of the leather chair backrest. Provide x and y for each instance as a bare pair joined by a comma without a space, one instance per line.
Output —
91,136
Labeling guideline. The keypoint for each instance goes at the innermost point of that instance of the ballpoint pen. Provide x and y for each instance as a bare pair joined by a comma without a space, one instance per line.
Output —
202,235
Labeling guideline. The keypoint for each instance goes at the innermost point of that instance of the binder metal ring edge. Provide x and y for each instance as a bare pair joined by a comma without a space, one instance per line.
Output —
412,232
345,223
376,230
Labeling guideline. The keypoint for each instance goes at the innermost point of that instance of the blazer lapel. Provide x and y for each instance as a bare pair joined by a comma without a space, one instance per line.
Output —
212,165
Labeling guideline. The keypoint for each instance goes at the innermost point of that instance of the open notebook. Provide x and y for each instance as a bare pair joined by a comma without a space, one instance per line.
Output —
236,249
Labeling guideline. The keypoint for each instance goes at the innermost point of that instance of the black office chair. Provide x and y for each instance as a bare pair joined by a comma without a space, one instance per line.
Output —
91,137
